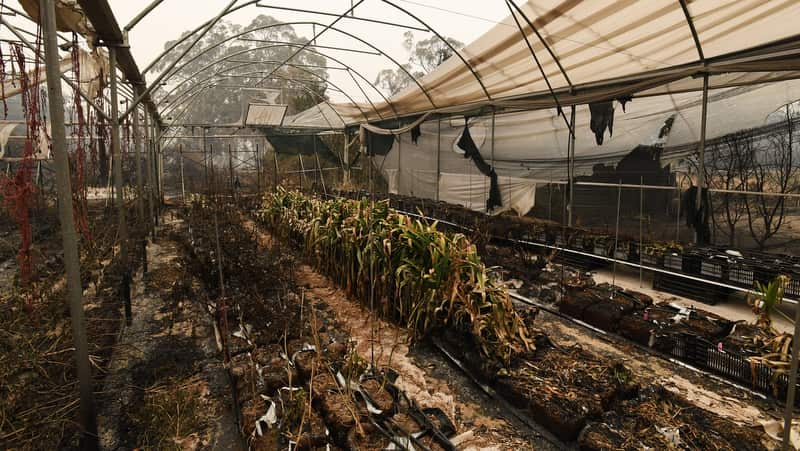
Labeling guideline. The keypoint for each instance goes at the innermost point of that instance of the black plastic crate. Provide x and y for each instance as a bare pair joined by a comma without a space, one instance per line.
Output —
652,256
741,273
673,261
714,267
738,368
601,248
693,289
793,287
766,273
692,263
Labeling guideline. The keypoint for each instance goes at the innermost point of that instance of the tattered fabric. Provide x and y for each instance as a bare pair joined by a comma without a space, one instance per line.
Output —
466,144
697,216
602,119
415,134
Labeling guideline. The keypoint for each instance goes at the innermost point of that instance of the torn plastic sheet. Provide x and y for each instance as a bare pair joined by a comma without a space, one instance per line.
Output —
356,388
306,348
244,332
270,418
673,435
405,442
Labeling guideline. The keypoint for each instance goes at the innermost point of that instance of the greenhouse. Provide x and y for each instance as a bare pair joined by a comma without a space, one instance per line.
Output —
399,225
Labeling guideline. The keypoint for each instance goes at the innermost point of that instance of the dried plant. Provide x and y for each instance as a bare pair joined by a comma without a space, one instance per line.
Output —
423,278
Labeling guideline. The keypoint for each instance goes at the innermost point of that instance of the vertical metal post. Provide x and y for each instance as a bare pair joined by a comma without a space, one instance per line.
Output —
346,153
493,130
118,185
183,185
160,160
211,168
438,155
69,236
400,165
321,174
678,213
641,229
258,169
275,180
701,164
550,201
230,168
205,161
790,395
302,171
137,142
616,240
571,164
314,146
149,173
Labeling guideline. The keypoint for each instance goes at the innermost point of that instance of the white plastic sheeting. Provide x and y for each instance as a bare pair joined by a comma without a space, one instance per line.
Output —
607,48
518,194
322,115
262,114
533,145
94,74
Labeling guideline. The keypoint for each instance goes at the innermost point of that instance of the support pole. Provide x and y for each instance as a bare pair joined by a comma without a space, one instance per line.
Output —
211,168
321,174
205,161
230,169
137,142
400,165
701,163
571,163
314,145
118,185
149,174
438,155
346,154
678,213
275,180
616,241
159,166
156,181
788,412
302,171
183,185
641,229
88,415
258,169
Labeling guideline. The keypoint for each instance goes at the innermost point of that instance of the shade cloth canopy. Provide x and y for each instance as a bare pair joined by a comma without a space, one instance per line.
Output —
607,49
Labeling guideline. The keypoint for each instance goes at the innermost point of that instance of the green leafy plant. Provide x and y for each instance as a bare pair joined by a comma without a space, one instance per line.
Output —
766,300
406,269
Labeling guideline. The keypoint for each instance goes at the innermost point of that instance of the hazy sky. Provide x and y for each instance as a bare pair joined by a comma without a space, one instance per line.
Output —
460,19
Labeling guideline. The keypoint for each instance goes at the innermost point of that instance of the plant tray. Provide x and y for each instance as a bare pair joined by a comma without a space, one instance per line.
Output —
622,254
653,260
673,261
600,249
741,275
793,288
738,368
713,268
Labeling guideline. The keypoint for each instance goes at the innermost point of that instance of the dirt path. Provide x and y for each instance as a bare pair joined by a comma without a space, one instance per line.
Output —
166,386
424,374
